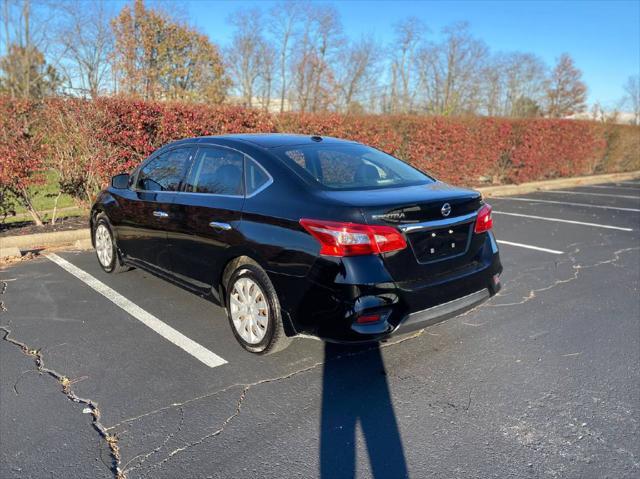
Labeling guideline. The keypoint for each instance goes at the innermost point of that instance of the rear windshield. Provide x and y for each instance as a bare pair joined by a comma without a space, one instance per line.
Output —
350,167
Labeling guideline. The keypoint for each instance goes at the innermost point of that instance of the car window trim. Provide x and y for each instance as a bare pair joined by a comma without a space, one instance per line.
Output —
153,156
193,162
194,147
246,157
265,185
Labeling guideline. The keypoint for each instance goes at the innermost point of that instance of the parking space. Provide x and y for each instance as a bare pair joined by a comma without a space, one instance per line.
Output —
611,188
543,380
583,193
133,353
620,212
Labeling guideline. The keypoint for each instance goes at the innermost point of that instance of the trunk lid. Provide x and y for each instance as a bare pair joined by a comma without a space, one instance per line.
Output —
440,238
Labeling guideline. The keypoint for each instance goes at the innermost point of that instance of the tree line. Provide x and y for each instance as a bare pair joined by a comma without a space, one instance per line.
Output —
294,56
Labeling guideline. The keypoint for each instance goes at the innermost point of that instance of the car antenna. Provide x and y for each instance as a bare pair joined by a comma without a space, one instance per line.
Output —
316,138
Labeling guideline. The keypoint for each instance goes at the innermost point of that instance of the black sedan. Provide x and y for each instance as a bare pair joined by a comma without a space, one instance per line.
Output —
301,235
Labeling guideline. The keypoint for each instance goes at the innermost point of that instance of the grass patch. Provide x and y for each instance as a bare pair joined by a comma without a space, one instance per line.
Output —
46,216
44,196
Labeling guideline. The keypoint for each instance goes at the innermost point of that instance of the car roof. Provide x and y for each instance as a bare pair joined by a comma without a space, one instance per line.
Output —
274,140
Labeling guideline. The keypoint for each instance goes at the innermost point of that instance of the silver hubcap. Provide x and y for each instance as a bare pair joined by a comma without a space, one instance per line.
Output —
104,246
249,310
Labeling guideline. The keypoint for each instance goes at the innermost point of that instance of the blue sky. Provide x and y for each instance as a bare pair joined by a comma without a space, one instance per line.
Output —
602,36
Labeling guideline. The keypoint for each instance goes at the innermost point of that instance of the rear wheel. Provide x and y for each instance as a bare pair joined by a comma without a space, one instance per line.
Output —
254,311
106,249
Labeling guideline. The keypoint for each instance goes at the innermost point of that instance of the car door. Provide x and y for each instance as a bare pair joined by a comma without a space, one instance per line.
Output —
145,209
207,215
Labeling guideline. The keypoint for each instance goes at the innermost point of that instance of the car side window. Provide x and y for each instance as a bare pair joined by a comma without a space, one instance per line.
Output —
165,172
255,176
217,171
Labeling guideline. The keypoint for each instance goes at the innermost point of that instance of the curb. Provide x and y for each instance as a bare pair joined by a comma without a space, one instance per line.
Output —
83,244
506,190
45,240
11,252
81,239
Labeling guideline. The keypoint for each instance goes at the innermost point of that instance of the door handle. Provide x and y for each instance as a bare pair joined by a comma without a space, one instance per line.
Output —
220,226
160,214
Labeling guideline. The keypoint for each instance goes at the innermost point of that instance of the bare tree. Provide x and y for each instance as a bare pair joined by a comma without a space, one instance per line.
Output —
301,68
566,93
358,63
328,32
632,99
451,72
493,86
267,74
312,65
513,84
409,35
6,25
86,40
284,18
244,55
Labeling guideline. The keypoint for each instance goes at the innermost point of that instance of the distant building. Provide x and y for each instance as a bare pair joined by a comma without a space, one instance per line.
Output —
272,106
617,117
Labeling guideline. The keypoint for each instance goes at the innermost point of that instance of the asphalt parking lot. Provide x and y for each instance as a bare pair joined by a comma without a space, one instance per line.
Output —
127,374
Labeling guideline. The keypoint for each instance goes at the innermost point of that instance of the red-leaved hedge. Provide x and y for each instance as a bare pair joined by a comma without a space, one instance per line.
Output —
88,141
22,153
472,150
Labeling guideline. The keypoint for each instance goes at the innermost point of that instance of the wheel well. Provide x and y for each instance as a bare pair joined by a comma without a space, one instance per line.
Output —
230,267
92,221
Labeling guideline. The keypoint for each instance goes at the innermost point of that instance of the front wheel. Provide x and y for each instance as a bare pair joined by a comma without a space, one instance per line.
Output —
105,245
254,311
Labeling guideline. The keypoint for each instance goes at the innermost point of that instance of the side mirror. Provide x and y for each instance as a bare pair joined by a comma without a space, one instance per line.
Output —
120,182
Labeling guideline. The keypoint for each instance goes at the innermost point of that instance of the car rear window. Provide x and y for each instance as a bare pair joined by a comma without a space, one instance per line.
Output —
350,166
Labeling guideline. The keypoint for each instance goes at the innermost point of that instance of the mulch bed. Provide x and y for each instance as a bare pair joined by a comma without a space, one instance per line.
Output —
21,228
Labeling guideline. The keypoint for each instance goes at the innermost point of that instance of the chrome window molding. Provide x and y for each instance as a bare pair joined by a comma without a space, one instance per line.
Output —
196,145
265,185
193,193
161,151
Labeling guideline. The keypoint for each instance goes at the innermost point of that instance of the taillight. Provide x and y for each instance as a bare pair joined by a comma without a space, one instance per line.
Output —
484,222
368,318
352,239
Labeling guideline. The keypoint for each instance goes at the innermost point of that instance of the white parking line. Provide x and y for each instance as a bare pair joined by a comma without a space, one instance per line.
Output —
586,205
611,187
528,246
588,193
196,350
560,220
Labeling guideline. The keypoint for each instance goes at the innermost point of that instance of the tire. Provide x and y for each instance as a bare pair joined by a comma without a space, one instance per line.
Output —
105,246
253,310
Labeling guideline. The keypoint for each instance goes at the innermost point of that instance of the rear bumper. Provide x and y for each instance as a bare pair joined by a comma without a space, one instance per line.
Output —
328,302
441,312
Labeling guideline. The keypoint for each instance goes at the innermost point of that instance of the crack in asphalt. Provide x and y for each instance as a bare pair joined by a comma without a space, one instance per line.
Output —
237,410
120,471
576,267
65,383
142,458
